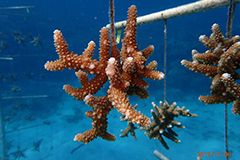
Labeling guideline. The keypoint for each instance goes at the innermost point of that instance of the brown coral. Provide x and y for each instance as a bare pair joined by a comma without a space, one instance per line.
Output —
164,120
223,56
233,88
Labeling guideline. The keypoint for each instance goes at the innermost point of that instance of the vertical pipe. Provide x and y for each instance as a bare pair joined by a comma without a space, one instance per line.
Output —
2,136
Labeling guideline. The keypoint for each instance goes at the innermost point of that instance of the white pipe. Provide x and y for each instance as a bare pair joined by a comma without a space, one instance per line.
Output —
25,97
17,7
194,7
159,155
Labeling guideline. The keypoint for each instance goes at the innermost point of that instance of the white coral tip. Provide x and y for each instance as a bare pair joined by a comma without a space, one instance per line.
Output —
86,98
153,104
129,59
56,31
183,61
237,36
75,138
215,25
92,66
161,75
201,37
226,75
194,51
111,60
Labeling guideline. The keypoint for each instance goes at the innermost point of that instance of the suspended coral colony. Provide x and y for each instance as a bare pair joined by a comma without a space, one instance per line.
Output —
126,70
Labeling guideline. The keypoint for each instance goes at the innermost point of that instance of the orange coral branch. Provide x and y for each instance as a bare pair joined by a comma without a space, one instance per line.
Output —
207,70
121,103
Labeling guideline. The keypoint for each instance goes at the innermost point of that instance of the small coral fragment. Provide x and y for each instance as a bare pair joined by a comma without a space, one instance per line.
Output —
164,120
129,130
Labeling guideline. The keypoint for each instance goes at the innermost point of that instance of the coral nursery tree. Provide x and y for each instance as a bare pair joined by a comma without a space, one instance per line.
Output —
126,70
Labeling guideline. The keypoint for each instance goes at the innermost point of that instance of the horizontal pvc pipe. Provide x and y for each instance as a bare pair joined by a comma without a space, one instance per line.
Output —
194,7
159,155
24,97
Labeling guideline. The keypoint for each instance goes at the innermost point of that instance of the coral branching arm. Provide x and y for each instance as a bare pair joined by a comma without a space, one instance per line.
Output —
207,70
231,85
70,60
101,108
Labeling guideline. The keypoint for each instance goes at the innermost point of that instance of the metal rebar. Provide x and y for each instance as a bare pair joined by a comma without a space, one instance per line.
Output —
194,7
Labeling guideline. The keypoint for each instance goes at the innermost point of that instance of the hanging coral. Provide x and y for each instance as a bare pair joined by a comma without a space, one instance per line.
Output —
220,63
164,120
126,71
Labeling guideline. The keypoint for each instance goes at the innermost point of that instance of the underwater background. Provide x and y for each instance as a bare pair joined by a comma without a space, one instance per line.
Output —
42,128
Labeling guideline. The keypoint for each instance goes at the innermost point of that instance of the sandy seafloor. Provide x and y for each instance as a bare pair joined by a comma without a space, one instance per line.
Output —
56,119
64,117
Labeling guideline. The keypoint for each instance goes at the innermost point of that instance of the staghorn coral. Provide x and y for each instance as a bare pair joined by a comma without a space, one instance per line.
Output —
125,75
234,89
129,130
163,122
223,56
126,70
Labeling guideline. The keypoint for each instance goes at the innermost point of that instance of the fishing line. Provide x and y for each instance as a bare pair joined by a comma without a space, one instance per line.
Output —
231,8
165,61
228,34
226,131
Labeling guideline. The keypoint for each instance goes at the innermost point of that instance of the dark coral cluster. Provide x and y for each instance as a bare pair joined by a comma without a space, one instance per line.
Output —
164,120
220,63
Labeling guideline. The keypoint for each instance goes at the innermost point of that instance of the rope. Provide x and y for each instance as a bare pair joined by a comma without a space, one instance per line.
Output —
231,8
226,132
111,16
165,61
228,34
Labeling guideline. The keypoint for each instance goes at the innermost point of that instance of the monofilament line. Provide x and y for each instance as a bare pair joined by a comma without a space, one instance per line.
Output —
165,61
231,8
226,131
228,34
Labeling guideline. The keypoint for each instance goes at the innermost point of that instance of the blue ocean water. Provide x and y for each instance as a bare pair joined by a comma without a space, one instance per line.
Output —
42,128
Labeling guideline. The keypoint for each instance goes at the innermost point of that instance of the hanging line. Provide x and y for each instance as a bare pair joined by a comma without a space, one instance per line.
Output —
227,154
228,34
231,9
165,61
